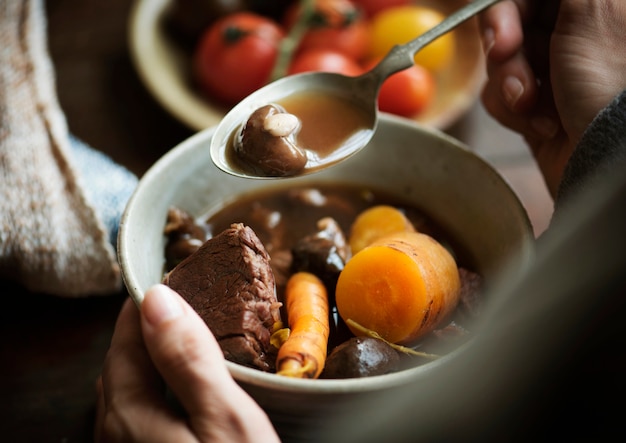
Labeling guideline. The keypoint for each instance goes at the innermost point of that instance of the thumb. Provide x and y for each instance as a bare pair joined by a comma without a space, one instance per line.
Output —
188,357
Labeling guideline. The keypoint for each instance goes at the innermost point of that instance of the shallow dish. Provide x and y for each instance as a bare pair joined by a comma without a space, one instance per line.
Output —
464,194
164,68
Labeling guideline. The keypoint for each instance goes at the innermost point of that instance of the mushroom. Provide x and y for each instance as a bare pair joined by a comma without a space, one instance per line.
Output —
266,143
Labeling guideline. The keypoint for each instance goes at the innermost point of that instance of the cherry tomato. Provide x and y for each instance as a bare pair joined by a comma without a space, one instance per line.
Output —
236,55
336,25
403,23
324,61
408,92
373,7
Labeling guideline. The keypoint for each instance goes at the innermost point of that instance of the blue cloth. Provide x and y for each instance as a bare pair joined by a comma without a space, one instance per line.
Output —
107,185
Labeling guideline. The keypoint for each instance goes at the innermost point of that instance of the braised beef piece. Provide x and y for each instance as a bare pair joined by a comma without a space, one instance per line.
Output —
184,237
229,282
323,253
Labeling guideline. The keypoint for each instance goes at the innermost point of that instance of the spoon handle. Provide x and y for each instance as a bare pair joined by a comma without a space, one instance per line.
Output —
401,56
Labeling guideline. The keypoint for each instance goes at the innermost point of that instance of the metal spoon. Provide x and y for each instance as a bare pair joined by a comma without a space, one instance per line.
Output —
362,90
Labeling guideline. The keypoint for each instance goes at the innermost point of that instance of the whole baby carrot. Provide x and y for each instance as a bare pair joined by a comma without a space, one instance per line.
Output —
303,354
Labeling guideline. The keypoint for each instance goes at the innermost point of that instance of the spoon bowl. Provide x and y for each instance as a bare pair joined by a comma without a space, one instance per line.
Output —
361,91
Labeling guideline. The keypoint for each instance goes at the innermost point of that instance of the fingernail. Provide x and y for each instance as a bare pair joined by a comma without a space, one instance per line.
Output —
160,305
544,126
512,90
489,39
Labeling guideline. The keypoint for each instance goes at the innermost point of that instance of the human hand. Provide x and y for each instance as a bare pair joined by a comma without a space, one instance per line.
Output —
552,66
167,343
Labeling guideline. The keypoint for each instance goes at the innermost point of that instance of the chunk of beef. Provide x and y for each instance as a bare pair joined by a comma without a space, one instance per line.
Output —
229,282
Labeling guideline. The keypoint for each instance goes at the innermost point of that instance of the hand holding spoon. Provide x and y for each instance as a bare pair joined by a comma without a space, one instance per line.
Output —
361,92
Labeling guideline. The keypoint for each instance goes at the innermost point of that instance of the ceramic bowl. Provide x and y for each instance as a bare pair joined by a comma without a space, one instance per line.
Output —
165,69
454,186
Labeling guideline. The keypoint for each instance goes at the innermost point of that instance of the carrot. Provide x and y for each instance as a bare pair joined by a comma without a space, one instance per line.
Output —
303,354
376,222
401,286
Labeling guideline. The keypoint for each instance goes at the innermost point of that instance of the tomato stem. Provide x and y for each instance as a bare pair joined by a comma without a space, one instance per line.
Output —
232,34
290,43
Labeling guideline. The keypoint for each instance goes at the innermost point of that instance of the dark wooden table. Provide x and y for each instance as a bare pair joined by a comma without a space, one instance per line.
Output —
52,348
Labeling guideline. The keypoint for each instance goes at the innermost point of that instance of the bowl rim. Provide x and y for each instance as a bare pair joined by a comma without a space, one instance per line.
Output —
273,381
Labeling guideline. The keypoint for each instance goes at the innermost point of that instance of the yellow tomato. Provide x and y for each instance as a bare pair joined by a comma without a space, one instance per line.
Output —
398,25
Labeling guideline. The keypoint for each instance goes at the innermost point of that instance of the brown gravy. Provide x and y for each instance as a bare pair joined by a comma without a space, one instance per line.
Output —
327,121
281,216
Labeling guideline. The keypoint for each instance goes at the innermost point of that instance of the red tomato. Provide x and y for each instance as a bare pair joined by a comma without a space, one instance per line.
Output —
335,25
408,92
373,7
236,55
325,61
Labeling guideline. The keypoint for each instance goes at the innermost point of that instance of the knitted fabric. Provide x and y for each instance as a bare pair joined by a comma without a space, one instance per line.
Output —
602,144
53,238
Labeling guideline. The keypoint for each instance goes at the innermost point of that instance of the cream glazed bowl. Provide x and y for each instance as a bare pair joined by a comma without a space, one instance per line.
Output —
466,196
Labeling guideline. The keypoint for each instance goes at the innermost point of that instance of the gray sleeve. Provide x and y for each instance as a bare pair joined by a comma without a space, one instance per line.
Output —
603,143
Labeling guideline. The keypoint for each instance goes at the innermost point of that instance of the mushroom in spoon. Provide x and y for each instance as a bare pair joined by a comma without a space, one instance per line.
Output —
320,96
267,143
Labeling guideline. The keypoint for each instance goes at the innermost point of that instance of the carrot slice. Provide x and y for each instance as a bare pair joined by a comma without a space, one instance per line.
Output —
376,222
303,354
401,286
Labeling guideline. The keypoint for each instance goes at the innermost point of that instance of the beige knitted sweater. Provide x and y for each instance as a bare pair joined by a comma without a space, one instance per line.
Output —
50,237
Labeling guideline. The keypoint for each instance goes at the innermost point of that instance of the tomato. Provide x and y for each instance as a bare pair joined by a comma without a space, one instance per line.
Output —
336,25
408,92
373,7
325,61
403,23
236,55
